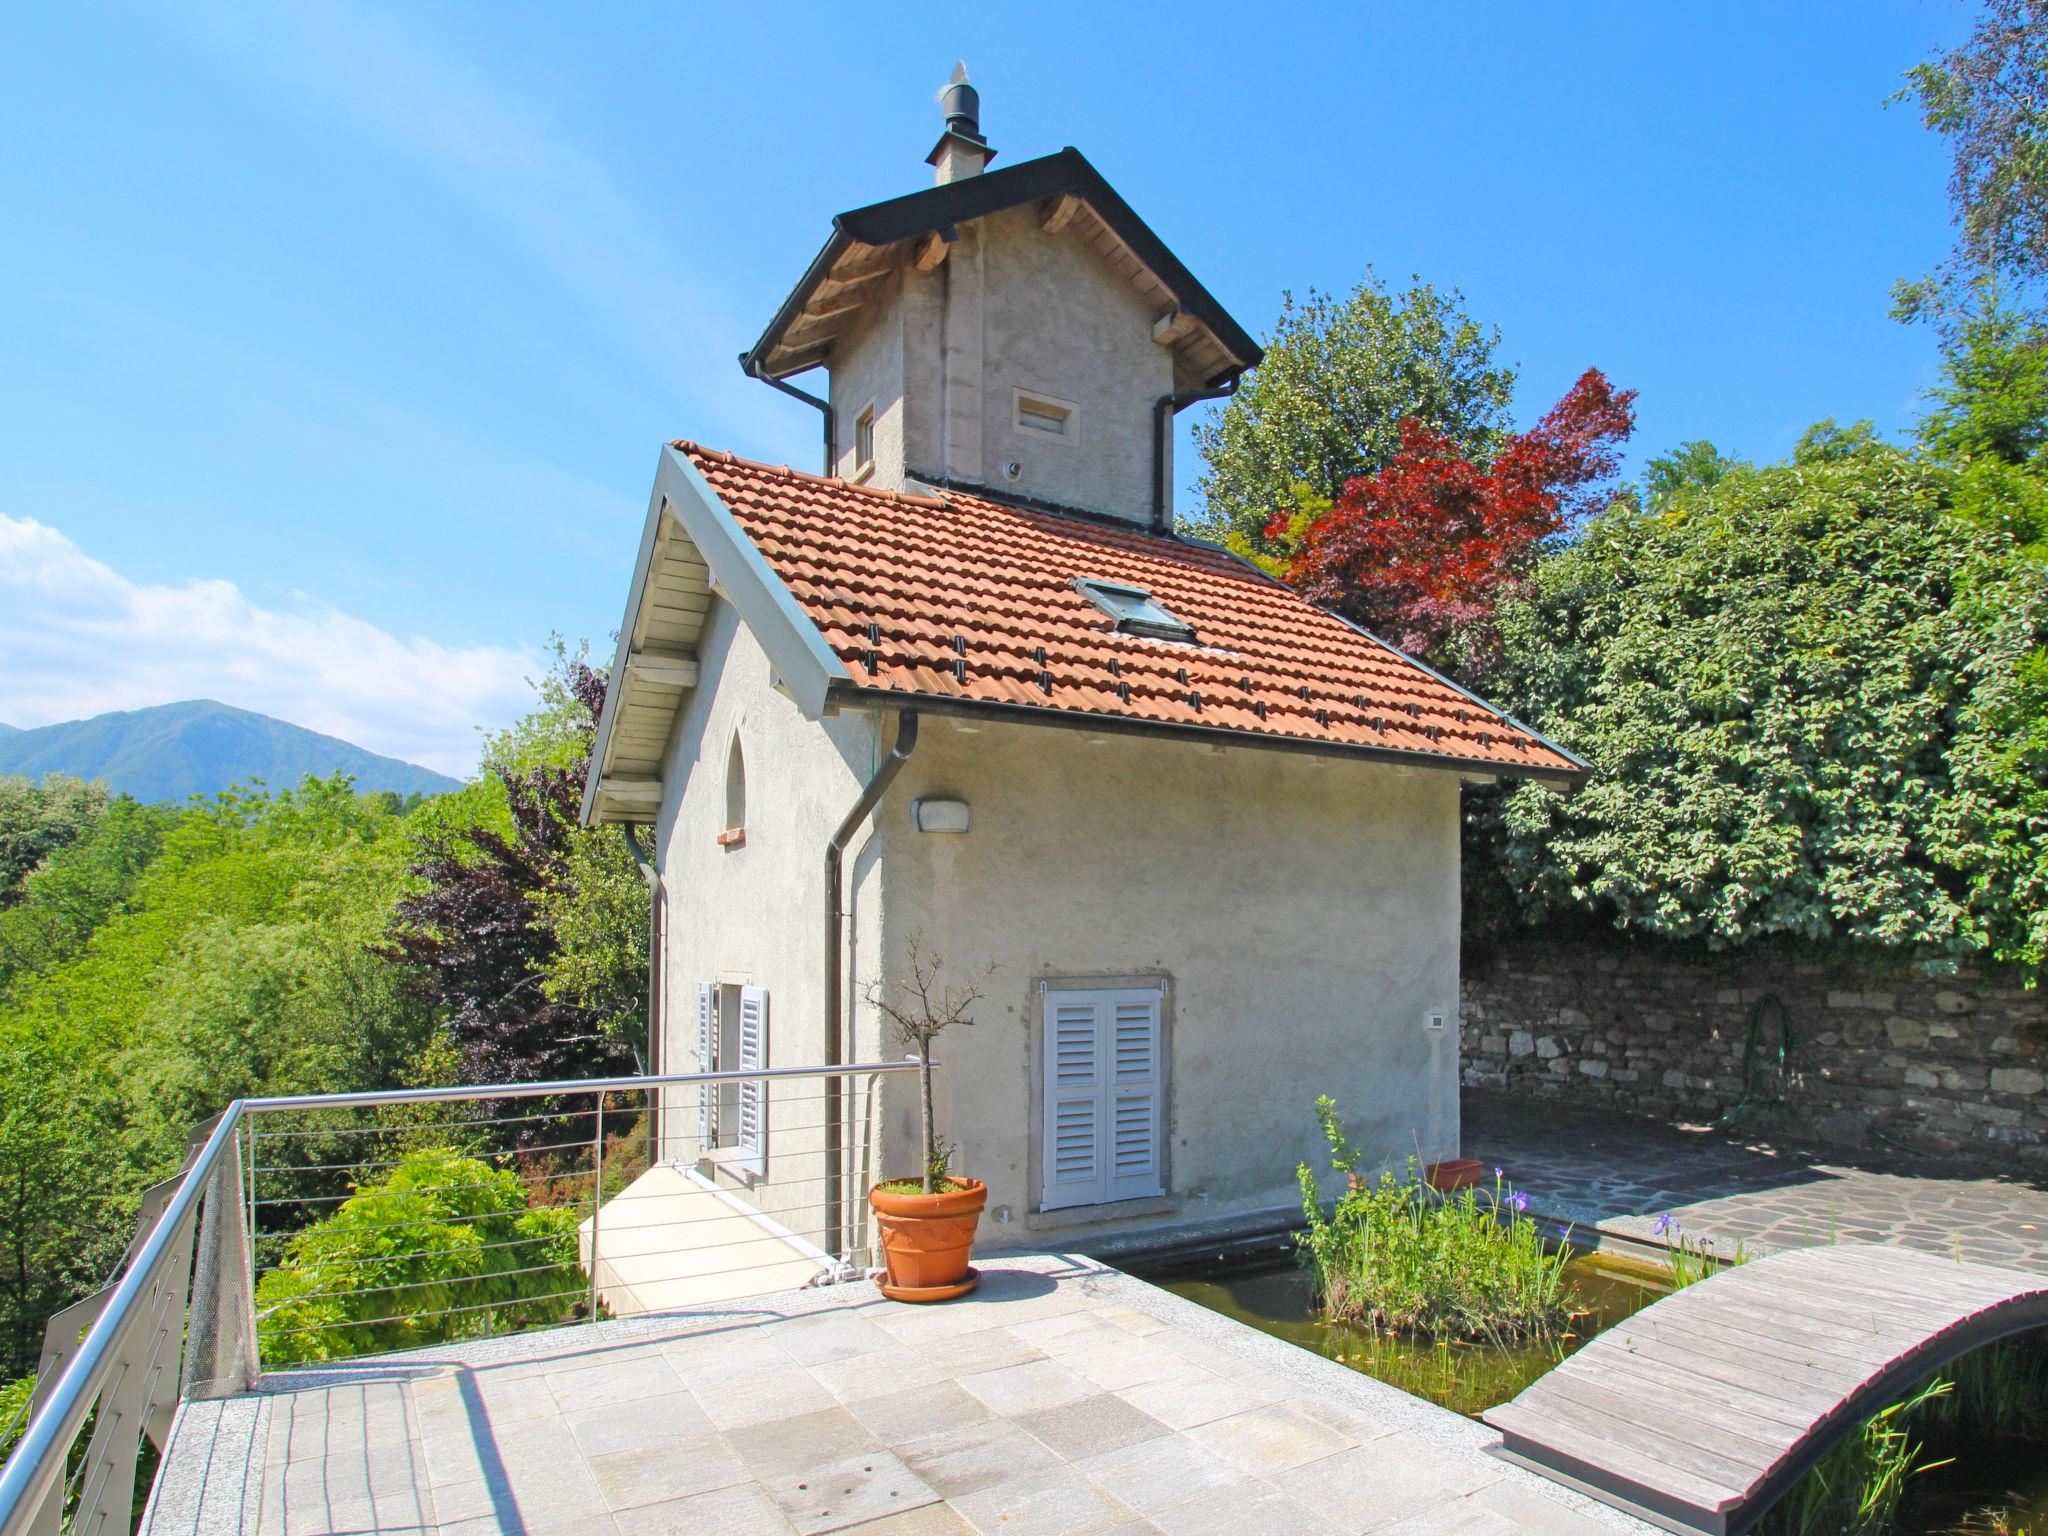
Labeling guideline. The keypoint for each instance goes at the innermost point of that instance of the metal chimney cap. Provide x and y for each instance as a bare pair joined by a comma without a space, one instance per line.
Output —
961,103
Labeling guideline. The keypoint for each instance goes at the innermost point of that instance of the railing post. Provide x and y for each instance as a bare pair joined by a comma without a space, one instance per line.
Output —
596,1198
220,1354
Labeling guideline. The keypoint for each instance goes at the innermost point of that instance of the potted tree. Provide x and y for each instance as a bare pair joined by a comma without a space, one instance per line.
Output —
927,1222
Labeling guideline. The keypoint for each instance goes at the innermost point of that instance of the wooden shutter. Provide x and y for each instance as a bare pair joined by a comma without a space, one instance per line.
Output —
1133,1093
1103,1100
707,1057
1073,1100
753,1137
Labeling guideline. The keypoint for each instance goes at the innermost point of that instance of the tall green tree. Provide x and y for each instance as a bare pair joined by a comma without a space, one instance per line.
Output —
1339,377
1988,97
38,819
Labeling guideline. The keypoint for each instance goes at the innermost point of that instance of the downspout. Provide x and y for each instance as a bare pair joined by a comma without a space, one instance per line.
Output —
650,1065
754,370
835,971
1164,409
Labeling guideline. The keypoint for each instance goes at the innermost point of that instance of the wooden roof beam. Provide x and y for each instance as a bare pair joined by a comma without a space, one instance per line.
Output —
1059,212
665,671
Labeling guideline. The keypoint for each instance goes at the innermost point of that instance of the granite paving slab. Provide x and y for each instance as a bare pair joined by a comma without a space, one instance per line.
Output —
1061,1397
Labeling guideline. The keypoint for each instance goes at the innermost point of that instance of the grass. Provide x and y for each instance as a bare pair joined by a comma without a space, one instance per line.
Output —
916,1186
1397,1256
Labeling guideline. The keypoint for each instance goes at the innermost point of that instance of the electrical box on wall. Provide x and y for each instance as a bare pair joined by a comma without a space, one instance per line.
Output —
1433,1022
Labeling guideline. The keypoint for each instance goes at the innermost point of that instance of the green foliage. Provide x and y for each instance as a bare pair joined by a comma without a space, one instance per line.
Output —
1694,466
63,901
246,957
444,1247
1339,377
1801,691
1988,98
38,819
595,905
1395,1255
14,1396
1992,401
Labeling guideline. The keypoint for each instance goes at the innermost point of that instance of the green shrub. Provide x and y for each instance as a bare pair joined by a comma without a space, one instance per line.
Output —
1396,1255
443,1248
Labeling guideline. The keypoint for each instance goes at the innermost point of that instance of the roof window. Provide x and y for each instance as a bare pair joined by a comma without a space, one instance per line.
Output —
1136,611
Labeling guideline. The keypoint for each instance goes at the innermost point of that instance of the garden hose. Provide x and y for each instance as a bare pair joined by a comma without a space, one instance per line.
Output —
1786,1045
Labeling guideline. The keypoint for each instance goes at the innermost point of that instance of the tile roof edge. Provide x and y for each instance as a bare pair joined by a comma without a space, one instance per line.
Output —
831,482
855,695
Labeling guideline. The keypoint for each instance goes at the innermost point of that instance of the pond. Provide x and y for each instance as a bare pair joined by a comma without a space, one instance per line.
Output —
1271,1293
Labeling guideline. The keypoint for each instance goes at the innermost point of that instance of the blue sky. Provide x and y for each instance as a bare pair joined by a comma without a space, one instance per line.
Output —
339,339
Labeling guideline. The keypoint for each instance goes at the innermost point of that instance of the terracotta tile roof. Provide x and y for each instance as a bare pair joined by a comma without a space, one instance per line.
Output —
973,601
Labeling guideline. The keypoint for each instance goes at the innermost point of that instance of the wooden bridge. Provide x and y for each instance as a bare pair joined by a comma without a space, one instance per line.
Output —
1702,1409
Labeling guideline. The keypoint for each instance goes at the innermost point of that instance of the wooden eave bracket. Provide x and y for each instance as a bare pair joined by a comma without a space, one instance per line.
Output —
1059,212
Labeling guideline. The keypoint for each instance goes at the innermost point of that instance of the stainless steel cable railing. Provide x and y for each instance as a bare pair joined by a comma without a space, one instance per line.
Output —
277,1243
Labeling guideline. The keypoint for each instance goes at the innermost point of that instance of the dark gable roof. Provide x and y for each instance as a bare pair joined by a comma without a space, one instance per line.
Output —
1066,174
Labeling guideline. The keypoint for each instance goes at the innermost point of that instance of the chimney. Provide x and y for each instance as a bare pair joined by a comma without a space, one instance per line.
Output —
961,151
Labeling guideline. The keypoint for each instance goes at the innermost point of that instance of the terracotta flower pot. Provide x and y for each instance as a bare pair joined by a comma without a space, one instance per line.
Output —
1458,1173
928,1239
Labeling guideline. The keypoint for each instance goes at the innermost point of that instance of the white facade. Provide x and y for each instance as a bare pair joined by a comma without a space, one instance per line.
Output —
1291,921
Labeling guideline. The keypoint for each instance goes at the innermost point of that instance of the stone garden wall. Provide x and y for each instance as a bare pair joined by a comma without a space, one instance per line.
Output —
1955,1065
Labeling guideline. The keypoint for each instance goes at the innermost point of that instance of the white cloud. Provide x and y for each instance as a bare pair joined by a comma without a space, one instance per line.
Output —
77,638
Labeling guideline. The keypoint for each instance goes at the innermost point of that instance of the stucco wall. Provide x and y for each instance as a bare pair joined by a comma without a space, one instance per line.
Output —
942,354
752,915
1304,915
1059,322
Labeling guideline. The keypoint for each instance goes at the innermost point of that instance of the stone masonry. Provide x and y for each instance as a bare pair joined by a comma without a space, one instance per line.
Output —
1955,1065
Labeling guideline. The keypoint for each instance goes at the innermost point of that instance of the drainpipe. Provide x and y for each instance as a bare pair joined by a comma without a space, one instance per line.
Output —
754,370
835,970
651,1066
1164,409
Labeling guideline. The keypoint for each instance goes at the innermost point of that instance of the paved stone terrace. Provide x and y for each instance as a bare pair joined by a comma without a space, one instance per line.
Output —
1615,1173
1062,1398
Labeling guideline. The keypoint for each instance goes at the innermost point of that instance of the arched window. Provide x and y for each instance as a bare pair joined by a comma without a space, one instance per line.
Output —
735,795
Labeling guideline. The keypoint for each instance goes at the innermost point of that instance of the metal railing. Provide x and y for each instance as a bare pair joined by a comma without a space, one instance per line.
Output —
608,1197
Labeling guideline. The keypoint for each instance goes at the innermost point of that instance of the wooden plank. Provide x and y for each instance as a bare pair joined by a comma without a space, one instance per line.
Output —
1724,1451
1700,1385
1723,1384
1588,1441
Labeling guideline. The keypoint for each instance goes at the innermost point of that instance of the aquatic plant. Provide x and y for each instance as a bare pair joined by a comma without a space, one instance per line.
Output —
1856,1488
2002,1388
1395,1255
1694,1259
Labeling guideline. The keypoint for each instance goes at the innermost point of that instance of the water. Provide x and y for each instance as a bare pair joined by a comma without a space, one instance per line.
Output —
1273,1295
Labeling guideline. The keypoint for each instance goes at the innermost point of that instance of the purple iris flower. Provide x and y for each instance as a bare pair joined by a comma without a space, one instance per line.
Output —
1665,1223
1519,1201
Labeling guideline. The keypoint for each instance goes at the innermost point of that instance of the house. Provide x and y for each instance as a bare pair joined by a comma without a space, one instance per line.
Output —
970,686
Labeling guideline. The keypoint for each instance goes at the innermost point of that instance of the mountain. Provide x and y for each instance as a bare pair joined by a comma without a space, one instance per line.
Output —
198,748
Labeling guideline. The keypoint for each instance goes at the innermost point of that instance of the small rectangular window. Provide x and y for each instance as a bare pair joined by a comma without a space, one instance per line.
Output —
1043,416
864,440
1136,611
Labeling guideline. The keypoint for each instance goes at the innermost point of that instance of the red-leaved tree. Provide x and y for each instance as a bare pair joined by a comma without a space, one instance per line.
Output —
1423,552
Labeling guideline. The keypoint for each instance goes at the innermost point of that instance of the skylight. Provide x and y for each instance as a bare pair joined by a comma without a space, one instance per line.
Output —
1136,611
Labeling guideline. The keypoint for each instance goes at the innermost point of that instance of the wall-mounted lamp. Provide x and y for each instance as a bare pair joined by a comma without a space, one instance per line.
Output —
941,815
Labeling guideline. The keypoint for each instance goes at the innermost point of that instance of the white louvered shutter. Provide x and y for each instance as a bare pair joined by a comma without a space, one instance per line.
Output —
707,1057
1132,1028
753,1137
1073,1100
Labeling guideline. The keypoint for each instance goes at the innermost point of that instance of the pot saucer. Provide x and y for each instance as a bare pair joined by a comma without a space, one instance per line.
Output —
959,1287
